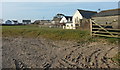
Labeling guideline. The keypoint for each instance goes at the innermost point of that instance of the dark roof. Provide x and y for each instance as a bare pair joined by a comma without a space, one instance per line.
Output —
68,17
14,20
111,12
87,14
26,20
56,19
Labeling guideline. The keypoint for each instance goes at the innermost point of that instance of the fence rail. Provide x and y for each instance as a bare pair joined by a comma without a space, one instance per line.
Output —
104,30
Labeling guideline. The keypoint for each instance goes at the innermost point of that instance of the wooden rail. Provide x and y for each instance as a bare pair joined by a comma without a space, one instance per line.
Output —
104,30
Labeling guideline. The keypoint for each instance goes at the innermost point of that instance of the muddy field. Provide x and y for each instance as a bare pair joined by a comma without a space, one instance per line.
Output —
43,53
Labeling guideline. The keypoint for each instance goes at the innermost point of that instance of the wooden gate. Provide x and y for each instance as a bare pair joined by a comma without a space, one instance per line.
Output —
104,30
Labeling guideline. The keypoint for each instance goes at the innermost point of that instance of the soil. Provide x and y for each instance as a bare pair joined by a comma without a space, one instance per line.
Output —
43,53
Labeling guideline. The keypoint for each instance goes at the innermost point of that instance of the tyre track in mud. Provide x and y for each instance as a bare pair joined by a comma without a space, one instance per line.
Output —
42,53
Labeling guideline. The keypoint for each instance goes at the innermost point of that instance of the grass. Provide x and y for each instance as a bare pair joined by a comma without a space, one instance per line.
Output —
51,33
31,31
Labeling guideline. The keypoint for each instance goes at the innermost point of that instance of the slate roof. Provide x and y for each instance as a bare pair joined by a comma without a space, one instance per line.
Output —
68,17
26,20
87,14
56,19
111,12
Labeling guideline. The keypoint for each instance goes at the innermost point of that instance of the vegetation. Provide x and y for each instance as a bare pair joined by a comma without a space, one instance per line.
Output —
52,33
56,34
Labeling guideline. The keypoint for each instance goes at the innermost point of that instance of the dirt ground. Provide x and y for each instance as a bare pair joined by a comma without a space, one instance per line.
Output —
43,53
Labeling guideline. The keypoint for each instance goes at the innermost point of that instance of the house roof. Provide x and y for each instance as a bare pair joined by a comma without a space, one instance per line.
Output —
68,17
87,14
56,19
111,12
26,20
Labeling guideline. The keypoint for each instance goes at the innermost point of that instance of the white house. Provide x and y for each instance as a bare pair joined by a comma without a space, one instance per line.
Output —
11,22
66,19
81,14
67,22
68,25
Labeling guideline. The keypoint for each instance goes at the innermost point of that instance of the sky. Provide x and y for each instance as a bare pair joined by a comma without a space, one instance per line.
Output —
46,10
60,0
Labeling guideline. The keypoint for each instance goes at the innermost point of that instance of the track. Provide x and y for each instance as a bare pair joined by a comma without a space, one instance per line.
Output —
43,53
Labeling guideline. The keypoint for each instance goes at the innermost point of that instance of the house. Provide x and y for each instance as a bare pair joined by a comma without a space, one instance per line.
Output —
109,17
26,21
42,22
66,22
56,20
11,22
80,15
66,19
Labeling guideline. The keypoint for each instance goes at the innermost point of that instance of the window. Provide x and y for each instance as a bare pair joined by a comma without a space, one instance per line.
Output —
76,24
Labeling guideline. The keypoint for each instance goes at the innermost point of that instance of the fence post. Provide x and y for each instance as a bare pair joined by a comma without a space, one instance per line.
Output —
90,27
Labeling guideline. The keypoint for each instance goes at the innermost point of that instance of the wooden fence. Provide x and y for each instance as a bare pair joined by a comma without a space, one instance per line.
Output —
104,30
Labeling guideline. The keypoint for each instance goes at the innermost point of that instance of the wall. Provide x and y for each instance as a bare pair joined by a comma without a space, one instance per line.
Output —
77,14
111,20
69,26
63,20
85,24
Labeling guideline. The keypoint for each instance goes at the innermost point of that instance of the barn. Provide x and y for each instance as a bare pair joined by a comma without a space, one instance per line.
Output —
106,23
109,17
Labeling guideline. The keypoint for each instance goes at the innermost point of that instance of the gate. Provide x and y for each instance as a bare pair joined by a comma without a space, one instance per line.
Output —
104,30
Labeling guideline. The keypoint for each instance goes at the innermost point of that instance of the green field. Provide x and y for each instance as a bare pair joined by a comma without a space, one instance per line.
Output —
51,33
30,31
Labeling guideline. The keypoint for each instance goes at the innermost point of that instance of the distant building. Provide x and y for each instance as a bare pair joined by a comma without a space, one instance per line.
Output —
26,21
42,22
66,22
56,20
110,17
66,19
81,14
11,22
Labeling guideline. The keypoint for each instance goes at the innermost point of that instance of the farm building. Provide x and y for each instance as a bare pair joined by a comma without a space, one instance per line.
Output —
26,21
106,23
66,22
42,22
56,20
109,17
81,15
11,22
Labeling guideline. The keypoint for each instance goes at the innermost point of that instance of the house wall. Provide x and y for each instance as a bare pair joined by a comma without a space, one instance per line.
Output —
76,17
63,20
112,20
26,22
69,26
85,24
